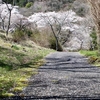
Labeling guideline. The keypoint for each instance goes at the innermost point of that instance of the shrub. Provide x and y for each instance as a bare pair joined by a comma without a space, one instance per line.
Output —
52,45
94,40
15,47
35,36
18,35
21,34
22,3
80,8
98,60
67,1
92,59
41,38
28,32
29,4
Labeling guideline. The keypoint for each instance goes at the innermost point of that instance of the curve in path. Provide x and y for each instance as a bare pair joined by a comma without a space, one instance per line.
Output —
65,75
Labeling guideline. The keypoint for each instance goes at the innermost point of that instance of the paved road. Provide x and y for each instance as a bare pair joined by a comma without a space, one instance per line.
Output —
65,75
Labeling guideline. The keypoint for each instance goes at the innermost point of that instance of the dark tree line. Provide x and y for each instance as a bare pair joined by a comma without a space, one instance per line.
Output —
21,3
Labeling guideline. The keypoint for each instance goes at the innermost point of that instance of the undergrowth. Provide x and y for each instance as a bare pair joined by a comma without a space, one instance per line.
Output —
93,57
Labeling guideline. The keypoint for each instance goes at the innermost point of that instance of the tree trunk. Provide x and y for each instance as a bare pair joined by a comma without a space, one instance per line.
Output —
13,2
8,26
2,24
57,42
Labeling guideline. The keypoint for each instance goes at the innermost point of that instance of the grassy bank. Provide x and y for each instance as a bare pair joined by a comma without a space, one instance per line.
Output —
93,57
17,63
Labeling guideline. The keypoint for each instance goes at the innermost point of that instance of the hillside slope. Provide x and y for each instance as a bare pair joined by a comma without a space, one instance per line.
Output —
47,5
17,63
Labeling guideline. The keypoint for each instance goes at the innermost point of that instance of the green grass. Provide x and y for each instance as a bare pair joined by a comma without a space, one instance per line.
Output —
17,64
93,57
89,53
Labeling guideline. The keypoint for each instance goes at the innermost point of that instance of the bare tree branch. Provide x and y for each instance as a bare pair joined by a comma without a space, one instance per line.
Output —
56,24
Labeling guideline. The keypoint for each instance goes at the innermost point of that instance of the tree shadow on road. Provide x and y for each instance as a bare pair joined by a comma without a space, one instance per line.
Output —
61,97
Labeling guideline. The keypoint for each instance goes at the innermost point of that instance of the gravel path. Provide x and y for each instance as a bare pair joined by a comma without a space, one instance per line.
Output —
65,75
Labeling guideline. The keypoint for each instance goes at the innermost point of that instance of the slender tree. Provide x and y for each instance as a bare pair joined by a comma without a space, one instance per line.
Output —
95,11
56,26
49,22
9,18
2,21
